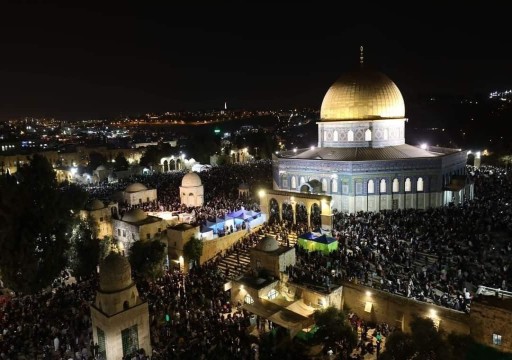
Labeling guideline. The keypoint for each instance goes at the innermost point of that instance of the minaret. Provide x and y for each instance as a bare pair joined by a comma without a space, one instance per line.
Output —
361,56
225,105
120,319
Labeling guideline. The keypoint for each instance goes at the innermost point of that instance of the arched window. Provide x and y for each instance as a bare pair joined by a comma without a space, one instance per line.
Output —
350,135
325,135
371,187
386,134
294,182
334,185
248,299
335,136
396,186
324,185
408,185
383,186
302,180
368,135
419,184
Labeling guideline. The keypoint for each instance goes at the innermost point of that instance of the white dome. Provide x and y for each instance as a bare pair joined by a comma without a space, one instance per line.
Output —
101,167
134,215
95,205
268,244
135,187
191,180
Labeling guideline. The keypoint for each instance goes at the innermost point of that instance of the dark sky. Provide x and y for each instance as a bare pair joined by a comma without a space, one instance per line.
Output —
95,60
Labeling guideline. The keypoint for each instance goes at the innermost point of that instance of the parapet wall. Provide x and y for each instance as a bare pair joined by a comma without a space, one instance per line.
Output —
380,306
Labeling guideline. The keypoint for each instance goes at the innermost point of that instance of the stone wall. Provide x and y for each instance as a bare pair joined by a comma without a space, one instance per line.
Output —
399,311
218,245
486,321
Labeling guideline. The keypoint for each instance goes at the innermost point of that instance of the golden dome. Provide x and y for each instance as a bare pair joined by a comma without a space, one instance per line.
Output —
115,273
362,95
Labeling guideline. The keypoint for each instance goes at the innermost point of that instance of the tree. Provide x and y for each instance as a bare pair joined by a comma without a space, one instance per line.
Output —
399,346
424,342
193,249
334,329
147,258
35,218
96,159
84,253
121,163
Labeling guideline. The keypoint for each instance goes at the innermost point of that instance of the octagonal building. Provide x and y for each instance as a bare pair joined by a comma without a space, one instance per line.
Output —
362,160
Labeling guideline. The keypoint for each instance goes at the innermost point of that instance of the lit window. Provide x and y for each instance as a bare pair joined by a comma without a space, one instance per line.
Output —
248,299
272,294
407,185
294,182
419,184
350,135
302,180
334,185
496,339
335,136
130,340
386,134
371,187
383,186
368,135
324,185
396,185
325,135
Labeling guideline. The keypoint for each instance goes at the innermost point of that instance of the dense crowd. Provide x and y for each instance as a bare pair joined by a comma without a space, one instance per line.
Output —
220,183
439,255
435,255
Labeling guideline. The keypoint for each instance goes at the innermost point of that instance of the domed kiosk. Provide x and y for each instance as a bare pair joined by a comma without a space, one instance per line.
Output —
192,190
101,215
362,162
137,194
268,255
120,319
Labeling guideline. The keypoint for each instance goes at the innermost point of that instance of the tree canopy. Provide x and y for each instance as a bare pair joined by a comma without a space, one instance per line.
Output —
334,330
193,249
120,162
36,217
84,253
147,258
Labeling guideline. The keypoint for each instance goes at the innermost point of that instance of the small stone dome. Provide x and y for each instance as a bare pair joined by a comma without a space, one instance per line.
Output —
268,244
244,186
191,180
135,187
115,273
101,167
134,215
95,204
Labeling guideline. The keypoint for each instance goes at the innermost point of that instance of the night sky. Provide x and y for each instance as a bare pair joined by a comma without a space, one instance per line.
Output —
99,60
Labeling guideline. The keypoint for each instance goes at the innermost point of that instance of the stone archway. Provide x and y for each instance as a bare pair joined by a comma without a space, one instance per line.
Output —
273,201
314,215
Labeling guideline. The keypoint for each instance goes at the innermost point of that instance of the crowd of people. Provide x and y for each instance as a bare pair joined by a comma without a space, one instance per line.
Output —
436,255
439,255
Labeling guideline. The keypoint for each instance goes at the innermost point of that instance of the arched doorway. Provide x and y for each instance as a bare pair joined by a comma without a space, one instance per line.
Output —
301,214
314,216
287,212
166,166
273,207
